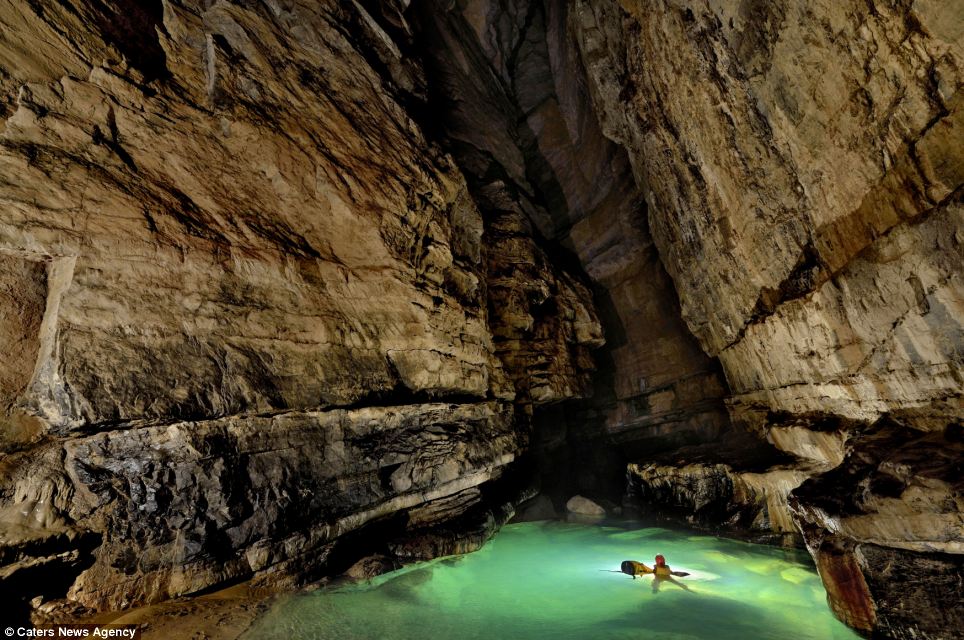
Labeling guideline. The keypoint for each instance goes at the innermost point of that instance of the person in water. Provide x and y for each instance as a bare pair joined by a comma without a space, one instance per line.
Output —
660,569
661,572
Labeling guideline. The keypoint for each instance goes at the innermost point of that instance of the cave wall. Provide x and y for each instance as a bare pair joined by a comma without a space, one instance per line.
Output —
811,154
518,116
217,250
248,299
802,164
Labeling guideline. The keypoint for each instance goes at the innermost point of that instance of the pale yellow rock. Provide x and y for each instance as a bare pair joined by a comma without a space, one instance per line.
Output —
799,189
584,506
818,446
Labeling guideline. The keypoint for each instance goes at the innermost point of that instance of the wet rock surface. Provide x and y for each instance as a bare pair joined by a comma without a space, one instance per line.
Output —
583,506
905,491
184,506
738,486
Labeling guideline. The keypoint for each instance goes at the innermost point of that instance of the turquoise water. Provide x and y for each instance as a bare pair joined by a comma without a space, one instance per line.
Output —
546,580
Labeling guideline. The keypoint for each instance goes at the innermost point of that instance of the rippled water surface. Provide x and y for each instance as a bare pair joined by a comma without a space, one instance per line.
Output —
548,580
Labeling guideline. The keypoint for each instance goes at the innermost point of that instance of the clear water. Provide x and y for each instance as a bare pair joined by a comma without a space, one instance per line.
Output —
549,580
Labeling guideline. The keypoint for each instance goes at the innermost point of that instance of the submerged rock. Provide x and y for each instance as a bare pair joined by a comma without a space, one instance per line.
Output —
370,566
538,508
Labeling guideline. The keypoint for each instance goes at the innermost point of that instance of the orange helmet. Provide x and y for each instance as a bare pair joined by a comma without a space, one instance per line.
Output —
660,561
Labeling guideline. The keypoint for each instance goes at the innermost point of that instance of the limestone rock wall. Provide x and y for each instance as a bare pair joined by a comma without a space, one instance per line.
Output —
511,85
245,299
749,503
214,242
885,530
803,167
317,265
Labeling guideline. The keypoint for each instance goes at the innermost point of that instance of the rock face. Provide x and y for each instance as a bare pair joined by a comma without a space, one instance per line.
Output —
243,294
522,127
803,166
745,496
188,505
741,485
245,300
830,290
890,547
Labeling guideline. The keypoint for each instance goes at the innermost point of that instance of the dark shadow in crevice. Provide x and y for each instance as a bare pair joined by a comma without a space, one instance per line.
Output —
131,27
60,560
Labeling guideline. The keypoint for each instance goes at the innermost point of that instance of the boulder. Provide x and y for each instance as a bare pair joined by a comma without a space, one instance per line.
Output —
584,507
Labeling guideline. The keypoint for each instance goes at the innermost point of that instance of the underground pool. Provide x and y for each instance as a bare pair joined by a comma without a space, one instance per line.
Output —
560,580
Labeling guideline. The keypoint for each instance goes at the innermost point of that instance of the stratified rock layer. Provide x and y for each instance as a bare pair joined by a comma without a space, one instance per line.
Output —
522,127
251,308
738,486
803,167
885,528
245,300
188,505
212,250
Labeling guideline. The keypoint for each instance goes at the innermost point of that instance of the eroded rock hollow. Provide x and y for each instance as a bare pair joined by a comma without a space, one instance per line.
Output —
286,283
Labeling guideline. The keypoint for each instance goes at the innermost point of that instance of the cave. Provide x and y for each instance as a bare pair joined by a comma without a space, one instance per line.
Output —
299,294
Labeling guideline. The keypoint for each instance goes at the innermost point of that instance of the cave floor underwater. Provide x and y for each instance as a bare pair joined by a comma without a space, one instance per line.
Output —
560,580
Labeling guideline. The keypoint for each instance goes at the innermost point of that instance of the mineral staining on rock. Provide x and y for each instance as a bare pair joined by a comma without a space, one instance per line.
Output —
891,546
803,169
23,295
207,218
245,298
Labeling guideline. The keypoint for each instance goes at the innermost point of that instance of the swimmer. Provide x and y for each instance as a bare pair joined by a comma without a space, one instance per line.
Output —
661,569
664,574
